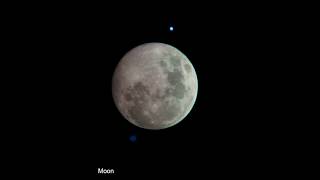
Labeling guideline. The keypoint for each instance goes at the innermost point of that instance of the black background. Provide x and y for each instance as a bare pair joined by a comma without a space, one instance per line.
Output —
234,127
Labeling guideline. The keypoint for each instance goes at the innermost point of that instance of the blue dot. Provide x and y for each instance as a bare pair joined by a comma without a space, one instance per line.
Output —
171,28
133,138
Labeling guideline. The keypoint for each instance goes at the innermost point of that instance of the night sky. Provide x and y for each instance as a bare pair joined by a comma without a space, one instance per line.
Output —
229,125
234,125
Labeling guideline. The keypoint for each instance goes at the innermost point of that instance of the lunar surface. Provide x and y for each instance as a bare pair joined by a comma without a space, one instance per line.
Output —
154,86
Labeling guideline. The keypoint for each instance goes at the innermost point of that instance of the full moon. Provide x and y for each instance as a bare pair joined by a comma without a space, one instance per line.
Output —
154,86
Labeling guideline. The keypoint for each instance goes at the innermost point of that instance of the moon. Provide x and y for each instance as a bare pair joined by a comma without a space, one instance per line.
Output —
154,86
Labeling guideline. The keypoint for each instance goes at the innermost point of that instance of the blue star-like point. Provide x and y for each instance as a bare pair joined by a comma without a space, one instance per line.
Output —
133,138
